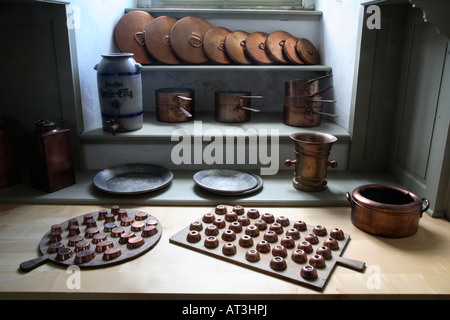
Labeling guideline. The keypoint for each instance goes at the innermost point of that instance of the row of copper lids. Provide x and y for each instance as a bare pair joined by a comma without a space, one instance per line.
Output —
194,40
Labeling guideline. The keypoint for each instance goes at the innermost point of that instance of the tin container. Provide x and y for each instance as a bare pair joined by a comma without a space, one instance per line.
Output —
50,157
386,210
234,106
120,92
174,104
311,160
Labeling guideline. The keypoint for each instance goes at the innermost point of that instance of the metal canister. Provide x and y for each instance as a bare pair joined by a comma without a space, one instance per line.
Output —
174,104
234,106
51,165
120,92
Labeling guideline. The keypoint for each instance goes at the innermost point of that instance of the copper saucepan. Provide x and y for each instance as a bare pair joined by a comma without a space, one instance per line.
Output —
386,210
234,106
174,104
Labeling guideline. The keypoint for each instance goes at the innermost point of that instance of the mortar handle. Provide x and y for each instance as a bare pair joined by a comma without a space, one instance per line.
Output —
290,163
349,199
332,164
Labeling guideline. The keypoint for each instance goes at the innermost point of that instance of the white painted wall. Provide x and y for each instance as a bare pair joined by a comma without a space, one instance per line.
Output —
94,24
338,48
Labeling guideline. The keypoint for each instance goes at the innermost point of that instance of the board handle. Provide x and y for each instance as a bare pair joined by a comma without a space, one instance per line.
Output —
352,264
33,263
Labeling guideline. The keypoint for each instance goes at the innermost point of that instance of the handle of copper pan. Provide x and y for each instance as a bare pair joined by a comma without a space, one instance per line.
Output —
182,109
249,97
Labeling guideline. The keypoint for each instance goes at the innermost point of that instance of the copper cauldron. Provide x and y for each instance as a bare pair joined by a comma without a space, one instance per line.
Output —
311,160
385,210
234,106
174,104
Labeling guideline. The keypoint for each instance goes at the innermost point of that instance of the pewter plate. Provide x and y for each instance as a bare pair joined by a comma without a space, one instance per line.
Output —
133,179
224,180
258,187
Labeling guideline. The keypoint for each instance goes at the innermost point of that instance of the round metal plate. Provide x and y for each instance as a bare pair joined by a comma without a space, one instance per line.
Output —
224,180
214,45
274,46
157,35
291,52
255,46
307,52
235,47
186,39
133,179
129,35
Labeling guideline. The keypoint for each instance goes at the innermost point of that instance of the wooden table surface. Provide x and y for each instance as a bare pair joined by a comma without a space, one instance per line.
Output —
417,266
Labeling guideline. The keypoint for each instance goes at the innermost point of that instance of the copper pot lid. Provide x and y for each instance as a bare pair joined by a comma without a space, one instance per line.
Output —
129,35
291,52
235,47
307,52
274,46
255,46
186,39
214,45
157,35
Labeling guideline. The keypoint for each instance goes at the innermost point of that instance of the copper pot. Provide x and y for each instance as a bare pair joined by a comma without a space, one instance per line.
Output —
305,87
234,106
386,210
174,104
311,160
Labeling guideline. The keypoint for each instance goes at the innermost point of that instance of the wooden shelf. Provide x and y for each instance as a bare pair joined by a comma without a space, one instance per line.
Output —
253,67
